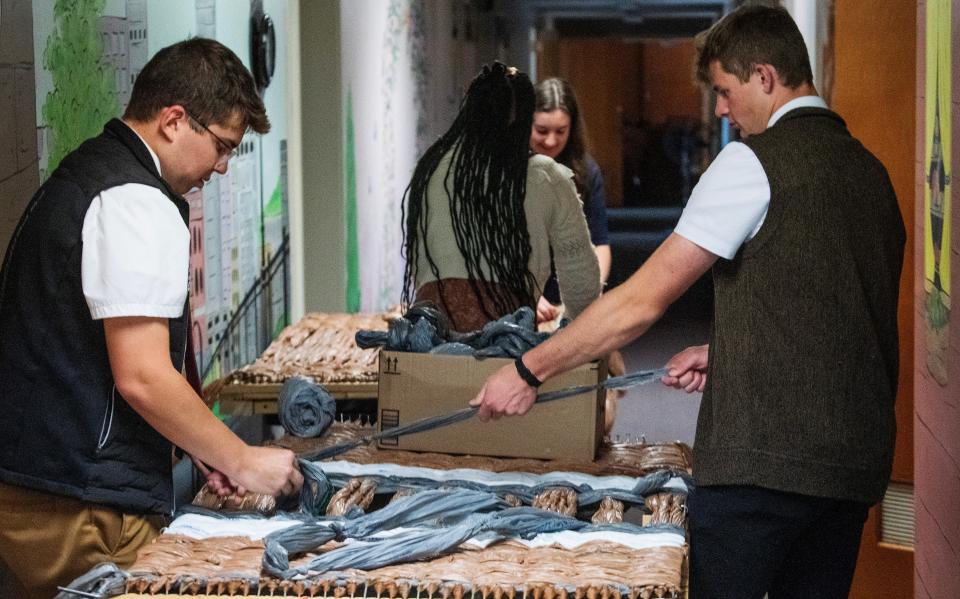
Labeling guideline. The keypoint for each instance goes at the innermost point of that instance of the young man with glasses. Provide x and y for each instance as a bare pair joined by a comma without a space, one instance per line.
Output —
93,330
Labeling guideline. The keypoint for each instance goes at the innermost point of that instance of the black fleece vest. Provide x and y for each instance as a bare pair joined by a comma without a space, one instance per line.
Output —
65,429
804,350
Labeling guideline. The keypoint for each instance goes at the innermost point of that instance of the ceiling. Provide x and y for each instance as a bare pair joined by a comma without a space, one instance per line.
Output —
628,18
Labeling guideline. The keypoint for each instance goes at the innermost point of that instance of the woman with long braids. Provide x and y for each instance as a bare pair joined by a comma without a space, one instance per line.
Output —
482,214
558,132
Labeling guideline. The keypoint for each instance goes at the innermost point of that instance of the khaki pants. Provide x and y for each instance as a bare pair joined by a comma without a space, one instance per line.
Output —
48,540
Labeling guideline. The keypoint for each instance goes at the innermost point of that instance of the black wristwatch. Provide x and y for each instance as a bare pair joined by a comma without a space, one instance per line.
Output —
525,373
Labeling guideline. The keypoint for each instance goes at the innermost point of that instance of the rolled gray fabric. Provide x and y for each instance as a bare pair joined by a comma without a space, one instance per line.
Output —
104,580
423,329
305,408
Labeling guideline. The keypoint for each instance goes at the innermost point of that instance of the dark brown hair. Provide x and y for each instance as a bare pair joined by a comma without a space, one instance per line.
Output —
556,93
753,35
203,76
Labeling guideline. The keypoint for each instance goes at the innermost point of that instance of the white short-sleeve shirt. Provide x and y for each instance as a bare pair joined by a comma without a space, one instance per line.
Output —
728,205
135,256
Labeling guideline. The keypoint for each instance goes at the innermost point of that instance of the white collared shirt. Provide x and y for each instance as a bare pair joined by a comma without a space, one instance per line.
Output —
136,251
728,205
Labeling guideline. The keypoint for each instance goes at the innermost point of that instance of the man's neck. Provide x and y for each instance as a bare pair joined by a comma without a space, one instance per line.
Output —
786,94
142,129
147,135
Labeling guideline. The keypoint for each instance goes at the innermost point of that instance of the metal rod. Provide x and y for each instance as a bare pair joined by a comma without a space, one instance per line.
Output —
81,593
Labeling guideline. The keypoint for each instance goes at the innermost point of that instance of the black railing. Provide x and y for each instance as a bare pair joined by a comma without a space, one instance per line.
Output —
265,308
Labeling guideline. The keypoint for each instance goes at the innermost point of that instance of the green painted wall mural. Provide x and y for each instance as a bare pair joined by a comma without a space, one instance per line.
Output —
353,243
274,208
84,95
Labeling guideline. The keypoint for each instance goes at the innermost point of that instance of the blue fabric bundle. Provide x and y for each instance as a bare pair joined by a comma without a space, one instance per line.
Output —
450,505
317,489
305,408
421,328
424,329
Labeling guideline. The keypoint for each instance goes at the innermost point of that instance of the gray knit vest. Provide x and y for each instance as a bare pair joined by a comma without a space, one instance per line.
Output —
804,353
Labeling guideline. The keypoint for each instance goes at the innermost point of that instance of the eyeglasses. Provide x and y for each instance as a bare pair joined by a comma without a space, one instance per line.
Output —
225,150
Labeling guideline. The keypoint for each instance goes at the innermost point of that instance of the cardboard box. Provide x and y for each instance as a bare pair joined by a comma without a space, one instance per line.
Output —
414,386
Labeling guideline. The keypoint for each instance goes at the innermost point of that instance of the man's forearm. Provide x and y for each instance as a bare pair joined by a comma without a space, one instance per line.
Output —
624,313
607,324
170,405
140,362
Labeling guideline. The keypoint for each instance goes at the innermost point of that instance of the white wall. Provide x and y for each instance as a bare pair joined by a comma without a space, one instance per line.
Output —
394,71
384,84
405,65
809,15
317,195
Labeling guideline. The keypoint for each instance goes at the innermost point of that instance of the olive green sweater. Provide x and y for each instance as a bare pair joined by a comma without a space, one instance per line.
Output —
804,352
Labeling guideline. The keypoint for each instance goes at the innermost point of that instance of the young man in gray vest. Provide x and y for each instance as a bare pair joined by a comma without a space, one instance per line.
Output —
801,228
93,330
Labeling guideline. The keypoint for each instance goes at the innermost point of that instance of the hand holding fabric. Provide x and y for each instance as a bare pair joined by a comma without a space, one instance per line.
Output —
688,369
217,481
268,470
504,393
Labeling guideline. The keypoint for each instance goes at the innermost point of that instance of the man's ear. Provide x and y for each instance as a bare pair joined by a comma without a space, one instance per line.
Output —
170,120
768,76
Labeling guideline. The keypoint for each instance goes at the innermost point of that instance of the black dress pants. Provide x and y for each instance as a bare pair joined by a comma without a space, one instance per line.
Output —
748,541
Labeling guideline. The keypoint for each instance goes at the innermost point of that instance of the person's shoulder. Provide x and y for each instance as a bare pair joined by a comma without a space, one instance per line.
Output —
735,152
736,161
540,162
137,192
141,204
445,161
547,170
592,168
